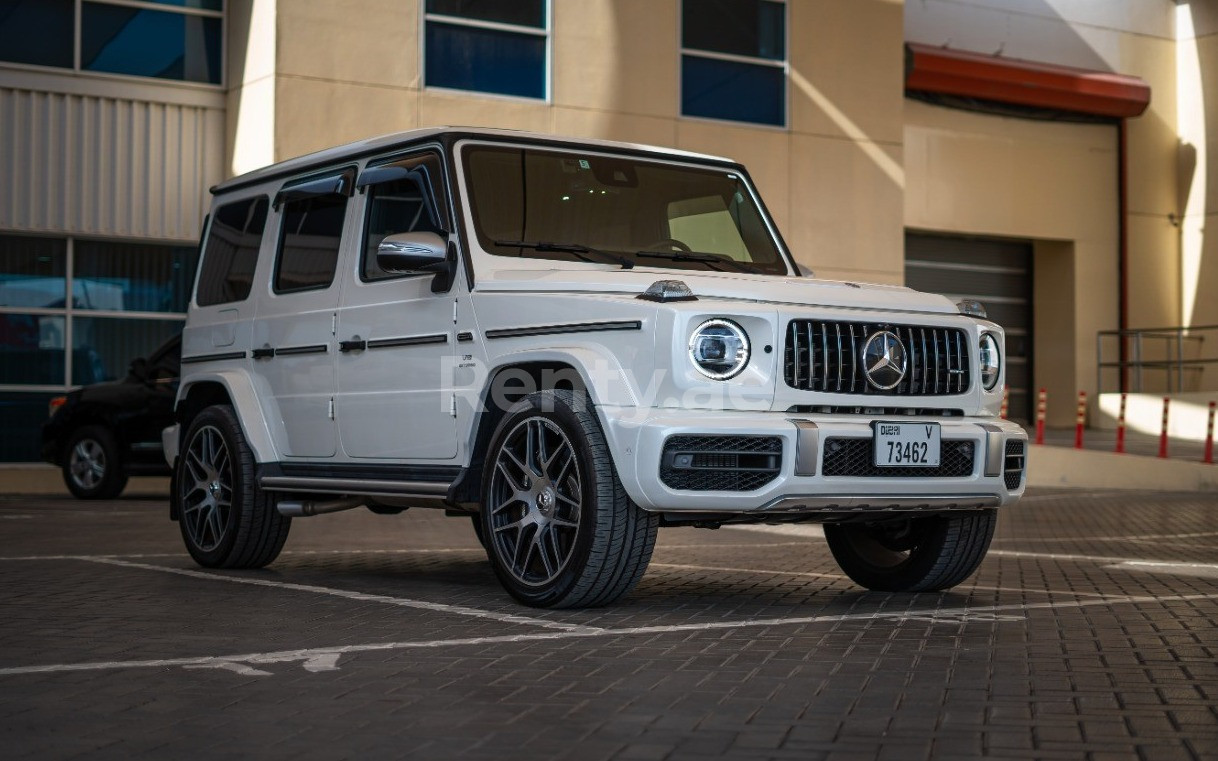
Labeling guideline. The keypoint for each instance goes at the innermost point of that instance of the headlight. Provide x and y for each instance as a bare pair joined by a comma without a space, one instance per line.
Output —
991,363
719,349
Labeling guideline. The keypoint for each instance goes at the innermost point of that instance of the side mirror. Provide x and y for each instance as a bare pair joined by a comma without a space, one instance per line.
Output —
412,252
139,368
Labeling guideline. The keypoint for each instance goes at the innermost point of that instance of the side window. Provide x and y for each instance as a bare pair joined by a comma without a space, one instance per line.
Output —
309,236
410,199
232,252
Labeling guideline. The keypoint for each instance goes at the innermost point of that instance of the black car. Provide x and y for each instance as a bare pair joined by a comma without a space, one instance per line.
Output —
102,434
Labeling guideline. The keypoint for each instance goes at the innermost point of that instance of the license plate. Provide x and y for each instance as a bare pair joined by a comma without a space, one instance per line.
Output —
907,445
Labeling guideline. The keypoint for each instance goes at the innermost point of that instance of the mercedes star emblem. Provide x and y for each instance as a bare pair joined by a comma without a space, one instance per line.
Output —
884,360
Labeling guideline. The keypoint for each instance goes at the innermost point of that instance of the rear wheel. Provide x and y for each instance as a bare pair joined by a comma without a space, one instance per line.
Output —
92,464
559,529
226,520
913,555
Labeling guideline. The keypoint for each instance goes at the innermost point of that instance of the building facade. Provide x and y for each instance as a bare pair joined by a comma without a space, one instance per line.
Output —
116,115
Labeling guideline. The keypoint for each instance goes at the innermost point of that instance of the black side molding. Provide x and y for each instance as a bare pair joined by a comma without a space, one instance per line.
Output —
311,349
213,357
573,327
389,343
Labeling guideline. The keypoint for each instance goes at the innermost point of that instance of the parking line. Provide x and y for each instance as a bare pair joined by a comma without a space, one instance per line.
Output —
326,658
435,607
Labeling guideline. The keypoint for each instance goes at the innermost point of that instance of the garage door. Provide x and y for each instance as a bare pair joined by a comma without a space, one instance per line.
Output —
998,273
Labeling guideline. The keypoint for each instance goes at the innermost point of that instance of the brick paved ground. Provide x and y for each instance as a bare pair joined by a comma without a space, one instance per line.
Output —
1089,632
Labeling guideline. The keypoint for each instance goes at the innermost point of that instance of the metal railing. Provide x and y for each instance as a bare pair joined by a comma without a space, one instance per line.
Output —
1179,353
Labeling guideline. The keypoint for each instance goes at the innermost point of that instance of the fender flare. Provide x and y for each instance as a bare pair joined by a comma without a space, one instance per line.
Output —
240,389
603,376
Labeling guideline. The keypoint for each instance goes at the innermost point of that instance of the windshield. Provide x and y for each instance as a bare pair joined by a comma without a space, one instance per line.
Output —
544,204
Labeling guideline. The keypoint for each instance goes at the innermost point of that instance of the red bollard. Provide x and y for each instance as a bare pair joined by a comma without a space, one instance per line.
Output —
1080,419
1120,442
1006,395
1163,433
1041,403
1209,438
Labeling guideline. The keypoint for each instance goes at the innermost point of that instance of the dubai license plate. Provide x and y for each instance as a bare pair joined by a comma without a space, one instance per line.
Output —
907,445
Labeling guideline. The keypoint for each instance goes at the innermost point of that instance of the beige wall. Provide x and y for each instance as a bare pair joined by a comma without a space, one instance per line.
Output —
1197,59
833,179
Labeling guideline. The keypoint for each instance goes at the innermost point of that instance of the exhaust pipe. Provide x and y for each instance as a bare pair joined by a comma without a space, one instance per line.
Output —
297,508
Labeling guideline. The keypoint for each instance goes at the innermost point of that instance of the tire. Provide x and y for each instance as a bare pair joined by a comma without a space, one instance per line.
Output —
915,555
93,464
476,519
225,519
560,530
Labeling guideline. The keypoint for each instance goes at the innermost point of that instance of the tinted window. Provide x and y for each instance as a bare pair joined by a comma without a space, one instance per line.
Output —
32,272
146,43
32,349
398,207
232,252
520,12
132,277
37,31
754,28
716,89
308,242
103,347
486,60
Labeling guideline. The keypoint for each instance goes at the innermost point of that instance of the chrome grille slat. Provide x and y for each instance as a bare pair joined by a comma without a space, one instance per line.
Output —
826,356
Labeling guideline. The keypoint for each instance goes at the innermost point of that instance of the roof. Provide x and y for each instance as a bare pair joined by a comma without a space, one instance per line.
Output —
387,143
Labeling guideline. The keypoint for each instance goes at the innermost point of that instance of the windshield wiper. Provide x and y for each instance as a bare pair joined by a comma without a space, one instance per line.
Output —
697,256
578,249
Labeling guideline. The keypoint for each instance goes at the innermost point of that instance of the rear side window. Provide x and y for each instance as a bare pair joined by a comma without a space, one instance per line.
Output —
308,241
232,252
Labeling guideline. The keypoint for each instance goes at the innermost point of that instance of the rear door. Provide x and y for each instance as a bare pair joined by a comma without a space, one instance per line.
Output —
293,334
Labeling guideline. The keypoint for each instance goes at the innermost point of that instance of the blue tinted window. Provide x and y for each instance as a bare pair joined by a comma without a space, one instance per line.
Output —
32,349
745,92
32,272
103,347
123,40
485,60
209,5
23,414
755,28
37,32
132,277
519,12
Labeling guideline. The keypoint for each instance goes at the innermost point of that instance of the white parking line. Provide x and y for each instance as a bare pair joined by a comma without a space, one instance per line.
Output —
326,658
435,607
1203,570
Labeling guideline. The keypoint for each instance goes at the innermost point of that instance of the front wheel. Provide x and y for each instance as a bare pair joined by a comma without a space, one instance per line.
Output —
923,554
226,520
92,465
559,529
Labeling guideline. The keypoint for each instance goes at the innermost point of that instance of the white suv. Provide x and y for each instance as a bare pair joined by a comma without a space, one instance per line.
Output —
574,342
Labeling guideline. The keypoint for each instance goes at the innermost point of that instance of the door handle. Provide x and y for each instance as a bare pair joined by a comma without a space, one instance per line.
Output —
265,352
355,344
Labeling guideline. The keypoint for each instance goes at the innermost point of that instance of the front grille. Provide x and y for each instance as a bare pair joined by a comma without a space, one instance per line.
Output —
1014,463
825,356
720,463
854,457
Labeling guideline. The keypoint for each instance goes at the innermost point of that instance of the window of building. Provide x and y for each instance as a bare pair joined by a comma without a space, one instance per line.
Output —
488,46
309,236
75,311
233,241
734,60
181,41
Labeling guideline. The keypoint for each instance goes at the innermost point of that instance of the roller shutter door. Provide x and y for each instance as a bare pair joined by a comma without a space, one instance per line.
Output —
998,273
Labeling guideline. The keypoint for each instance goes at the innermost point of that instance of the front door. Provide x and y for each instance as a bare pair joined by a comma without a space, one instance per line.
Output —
396,336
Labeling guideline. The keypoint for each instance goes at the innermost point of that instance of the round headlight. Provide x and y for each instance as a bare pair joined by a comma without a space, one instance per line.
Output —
991,363
719,349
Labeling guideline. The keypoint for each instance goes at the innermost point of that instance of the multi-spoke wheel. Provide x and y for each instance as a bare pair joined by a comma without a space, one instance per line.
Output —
92,466
226,520
913,555
559,529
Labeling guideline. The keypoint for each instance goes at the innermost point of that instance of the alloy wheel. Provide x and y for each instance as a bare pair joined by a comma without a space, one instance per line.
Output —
207,489
87,463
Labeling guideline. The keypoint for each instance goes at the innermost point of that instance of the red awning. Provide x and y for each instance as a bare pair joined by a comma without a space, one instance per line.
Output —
1024,83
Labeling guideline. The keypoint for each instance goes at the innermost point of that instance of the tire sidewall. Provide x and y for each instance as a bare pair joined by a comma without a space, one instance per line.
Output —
223,421
561,414
887,578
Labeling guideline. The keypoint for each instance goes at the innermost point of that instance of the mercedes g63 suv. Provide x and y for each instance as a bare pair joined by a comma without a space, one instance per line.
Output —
575,342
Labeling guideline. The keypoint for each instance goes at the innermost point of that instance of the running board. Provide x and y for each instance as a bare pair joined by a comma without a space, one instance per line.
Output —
369,488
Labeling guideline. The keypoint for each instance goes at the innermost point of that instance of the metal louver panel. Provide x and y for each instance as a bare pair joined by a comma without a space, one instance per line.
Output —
826,356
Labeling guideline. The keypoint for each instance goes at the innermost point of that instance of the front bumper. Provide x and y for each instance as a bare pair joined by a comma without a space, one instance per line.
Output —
637,439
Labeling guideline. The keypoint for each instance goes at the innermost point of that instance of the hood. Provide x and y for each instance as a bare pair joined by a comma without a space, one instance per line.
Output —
795,291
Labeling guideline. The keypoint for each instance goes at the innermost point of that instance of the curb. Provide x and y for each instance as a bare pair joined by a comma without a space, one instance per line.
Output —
1087,469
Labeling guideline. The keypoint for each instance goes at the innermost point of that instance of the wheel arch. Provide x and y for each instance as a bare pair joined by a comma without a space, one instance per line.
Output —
232,388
